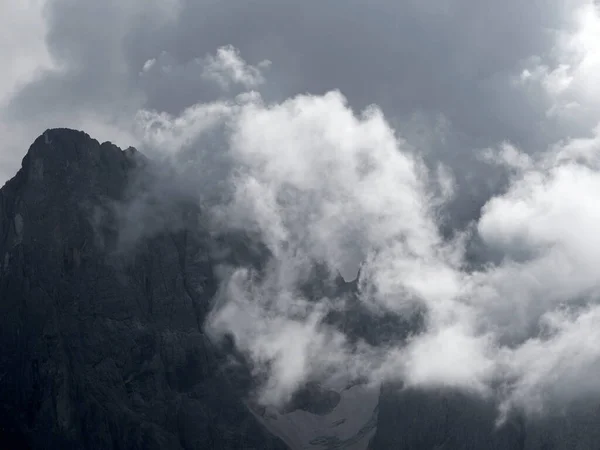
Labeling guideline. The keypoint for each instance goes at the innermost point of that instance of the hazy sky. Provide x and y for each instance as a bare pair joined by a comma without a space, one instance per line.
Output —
359,131
442,70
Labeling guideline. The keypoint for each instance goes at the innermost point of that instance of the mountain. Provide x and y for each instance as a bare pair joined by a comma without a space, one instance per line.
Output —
105,284
102,348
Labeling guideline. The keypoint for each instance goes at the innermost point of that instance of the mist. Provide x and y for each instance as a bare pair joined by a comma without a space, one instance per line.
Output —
321,184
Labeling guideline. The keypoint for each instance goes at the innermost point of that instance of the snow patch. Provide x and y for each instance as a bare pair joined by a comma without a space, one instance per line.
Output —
350,425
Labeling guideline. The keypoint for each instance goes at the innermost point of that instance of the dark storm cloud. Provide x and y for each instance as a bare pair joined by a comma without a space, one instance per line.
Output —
449,57
452,59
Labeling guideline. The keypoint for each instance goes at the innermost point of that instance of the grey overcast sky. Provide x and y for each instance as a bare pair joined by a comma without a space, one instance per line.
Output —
486,119
427,64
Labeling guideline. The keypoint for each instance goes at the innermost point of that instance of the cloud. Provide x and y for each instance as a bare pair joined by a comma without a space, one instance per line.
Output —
21,22
282,333
450,60
555,369
547,286
298,156
321,184
227,68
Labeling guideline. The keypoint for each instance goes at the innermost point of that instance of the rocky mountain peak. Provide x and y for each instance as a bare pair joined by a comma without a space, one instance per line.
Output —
97,349
70,159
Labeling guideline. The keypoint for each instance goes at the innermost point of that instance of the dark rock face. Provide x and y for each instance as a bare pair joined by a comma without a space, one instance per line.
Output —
101,349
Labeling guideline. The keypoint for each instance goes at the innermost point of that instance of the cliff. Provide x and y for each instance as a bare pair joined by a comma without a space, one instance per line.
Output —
102,348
